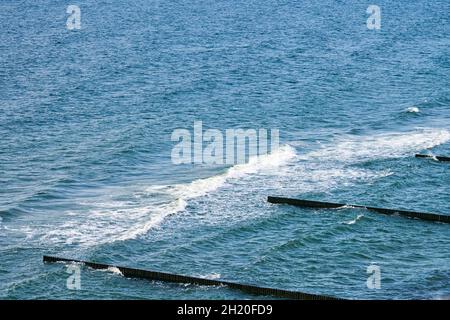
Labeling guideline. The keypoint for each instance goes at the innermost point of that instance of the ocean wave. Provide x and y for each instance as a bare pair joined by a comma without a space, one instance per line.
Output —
358,217
211,276
388,145
133,213
201,187
118,220
412,109
113,270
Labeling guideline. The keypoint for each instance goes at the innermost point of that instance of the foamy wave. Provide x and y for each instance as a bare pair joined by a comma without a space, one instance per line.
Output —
336,164
211,276
390,145
355,220
119,220
115,270
111,218
201,187
434,158
413,109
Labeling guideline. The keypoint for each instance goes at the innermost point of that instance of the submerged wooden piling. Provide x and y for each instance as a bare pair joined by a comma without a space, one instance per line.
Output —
331,205
175,278
439,158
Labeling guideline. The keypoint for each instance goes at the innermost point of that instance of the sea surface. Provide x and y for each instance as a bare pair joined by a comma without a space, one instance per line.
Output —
86,118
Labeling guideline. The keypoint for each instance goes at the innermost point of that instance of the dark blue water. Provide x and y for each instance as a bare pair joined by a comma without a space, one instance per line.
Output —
87,116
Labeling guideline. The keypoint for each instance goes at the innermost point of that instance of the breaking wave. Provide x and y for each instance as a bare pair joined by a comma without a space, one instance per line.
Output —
111,222
116,219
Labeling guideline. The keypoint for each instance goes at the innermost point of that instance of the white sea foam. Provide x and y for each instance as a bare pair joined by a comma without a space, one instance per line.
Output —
413,109
115,270
119,220
391,145
355,220
200,187
112,218
211,276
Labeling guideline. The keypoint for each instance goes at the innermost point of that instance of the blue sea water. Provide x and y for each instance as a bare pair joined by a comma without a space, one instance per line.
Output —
86,121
